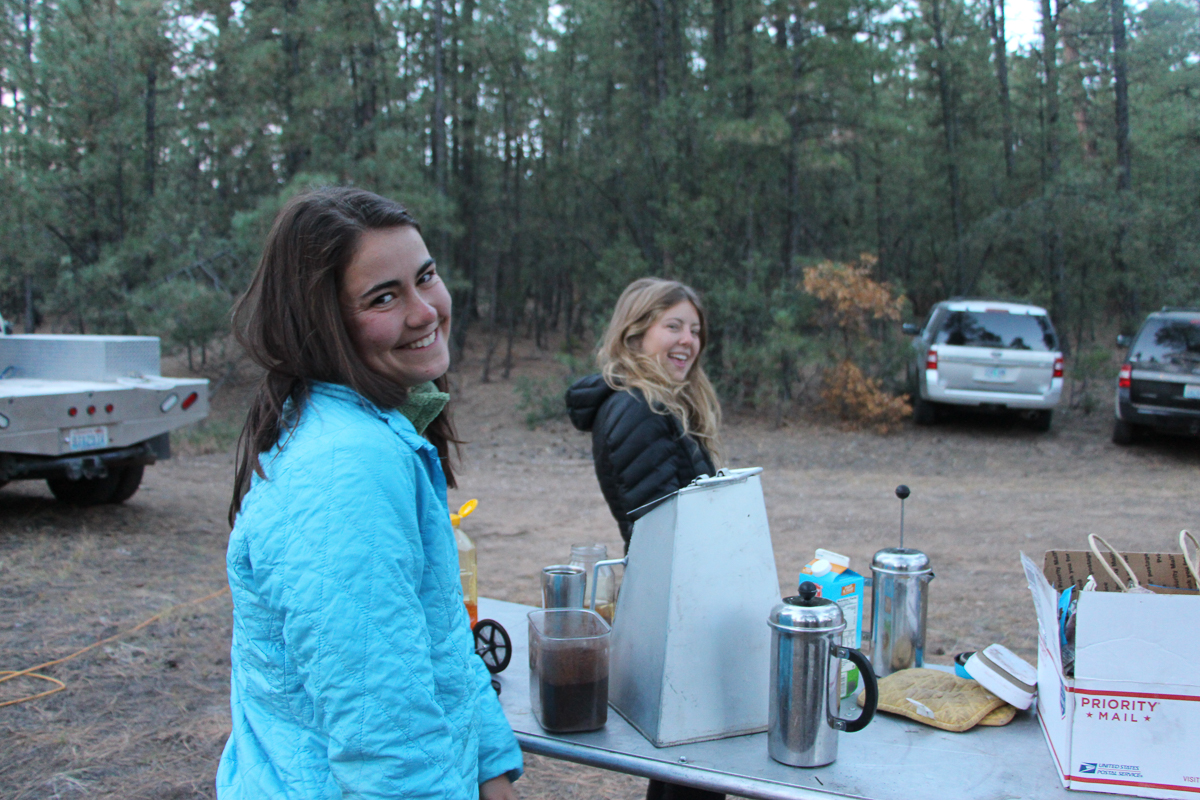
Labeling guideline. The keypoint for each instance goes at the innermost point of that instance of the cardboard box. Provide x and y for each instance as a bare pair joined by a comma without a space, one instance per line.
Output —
1128,722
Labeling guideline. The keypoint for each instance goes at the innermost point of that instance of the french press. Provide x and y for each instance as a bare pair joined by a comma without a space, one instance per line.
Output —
900,579
803,724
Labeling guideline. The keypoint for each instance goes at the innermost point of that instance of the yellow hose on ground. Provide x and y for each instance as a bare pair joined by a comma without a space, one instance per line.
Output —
8,675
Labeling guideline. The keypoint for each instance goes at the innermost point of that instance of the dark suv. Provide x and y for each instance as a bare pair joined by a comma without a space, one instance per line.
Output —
1159,384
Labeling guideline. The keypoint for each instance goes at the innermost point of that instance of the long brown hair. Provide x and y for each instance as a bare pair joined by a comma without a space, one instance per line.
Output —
290,321
623,364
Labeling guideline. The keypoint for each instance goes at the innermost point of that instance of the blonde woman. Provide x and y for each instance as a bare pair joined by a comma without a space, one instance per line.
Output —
651,410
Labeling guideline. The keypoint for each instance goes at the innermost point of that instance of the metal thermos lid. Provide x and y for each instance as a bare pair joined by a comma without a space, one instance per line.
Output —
901,560
807,613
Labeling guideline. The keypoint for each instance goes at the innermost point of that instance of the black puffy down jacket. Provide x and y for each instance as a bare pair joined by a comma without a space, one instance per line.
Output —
639,455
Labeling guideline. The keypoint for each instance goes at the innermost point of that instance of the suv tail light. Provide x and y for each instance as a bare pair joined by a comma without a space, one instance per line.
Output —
931,359
1125,376
1058,367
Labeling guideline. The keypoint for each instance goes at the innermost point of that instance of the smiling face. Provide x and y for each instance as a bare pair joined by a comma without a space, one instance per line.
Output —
674,339
396,308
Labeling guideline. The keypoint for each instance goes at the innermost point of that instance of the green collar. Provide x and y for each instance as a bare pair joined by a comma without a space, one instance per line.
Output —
424,403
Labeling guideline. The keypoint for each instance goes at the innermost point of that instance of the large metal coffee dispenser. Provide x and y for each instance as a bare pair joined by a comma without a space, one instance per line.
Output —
690,655
900,579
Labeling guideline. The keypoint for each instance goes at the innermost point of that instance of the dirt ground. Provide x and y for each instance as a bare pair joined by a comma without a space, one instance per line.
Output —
146,716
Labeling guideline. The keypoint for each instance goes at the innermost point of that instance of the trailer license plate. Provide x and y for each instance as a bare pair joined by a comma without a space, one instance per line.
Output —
1191,391
87,439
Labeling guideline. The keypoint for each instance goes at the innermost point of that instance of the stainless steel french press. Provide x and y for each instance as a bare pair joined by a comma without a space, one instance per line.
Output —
803,724
900,579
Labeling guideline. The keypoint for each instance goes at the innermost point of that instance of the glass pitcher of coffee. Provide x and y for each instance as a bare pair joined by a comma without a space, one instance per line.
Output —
568,669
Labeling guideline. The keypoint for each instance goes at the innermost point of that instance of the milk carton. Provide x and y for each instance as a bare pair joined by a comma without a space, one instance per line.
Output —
837,582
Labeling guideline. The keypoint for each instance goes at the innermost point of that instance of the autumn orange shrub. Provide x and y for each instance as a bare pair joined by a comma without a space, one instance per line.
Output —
851,300
860,401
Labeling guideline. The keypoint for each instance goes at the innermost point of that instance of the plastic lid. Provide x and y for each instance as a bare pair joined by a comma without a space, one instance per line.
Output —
807,612
819,567
1005,674
900,559
464,511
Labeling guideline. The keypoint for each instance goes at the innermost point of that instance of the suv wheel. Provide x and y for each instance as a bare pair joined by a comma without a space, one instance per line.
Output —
924,412
1124,433
1040,421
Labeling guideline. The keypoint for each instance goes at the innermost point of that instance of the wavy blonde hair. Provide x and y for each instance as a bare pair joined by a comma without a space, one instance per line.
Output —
624,366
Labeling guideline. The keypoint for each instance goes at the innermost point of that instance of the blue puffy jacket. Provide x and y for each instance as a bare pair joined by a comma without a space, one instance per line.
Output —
354,673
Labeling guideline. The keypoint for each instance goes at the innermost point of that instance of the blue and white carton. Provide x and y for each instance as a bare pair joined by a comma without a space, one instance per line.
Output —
835,581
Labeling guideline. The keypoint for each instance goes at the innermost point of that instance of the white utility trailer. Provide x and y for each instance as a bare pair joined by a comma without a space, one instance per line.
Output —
88,413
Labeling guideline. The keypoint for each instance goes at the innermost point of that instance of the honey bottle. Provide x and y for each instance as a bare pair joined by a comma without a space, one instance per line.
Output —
467,571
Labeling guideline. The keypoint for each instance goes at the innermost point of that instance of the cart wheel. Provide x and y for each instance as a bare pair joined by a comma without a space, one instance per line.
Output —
492,644
496,686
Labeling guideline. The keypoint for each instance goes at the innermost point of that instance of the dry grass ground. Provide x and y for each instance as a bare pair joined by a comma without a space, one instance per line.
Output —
146,717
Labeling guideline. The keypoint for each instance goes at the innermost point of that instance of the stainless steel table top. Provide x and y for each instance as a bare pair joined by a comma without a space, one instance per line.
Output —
891,759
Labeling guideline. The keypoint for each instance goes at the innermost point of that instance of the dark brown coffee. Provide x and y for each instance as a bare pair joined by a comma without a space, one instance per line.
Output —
574,706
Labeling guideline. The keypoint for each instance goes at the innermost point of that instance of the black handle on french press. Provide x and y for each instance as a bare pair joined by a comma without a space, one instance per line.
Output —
871,686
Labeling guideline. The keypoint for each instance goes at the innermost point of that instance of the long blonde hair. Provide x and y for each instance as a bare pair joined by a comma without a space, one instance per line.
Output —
624,366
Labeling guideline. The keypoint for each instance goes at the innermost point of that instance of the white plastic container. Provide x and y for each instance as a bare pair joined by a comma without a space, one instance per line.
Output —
1005,674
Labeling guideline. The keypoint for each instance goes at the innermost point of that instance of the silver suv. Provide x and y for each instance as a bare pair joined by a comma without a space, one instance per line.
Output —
986,354
1159,384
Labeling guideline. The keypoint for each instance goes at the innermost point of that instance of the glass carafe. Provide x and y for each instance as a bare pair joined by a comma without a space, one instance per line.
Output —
586,556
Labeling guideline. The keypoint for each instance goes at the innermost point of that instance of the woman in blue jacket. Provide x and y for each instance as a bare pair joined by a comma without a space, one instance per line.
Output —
353,669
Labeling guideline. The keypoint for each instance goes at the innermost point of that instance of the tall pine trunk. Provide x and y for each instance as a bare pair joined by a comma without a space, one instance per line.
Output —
438,127
950,130
1000,44
1053,253
151,132
1127,300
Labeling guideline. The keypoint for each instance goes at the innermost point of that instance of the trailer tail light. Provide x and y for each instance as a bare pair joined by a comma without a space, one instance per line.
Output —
169,402
3,422
189,400
1058,367
72,411
108,408
91,410
1125,376
931,359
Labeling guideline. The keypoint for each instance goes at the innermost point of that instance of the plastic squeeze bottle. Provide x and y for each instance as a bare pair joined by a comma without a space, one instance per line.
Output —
467,571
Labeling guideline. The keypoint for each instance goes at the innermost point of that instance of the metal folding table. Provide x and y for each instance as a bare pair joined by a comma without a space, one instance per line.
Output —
891,759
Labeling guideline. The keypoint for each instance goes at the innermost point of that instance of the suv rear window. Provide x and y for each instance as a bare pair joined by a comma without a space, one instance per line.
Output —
998,330
1167,340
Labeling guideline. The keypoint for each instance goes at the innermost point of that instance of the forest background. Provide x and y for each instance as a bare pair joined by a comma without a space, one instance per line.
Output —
555,150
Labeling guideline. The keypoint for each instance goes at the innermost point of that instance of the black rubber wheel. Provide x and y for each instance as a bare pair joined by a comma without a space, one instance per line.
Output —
924,412
1040,420
492,644
85,491
1124,433
128,481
